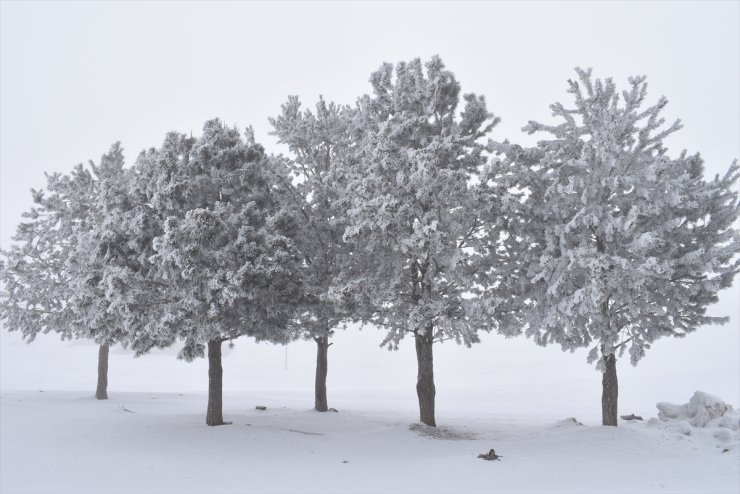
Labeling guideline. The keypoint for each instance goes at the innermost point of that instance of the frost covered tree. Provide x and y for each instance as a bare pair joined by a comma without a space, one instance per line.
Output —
624,244
36,284
321,145
114,299
57,275
225,257
412,211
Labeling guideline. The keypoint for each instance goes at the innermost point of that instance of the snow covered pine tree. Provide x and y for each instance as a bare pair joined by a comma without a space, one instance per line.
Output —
625,244
321,145
57,274
94,257
116,300
411,211
225,254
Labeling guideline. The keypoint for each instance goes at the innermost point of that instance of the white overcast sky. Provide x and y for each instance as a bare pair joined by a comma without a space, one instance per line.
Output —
77,76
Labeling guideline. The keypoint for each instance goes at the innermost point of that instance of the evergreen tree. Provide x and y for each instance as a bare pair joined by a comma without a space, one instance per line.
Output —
225,258
412,212
322,147
36,283
58,274
621,243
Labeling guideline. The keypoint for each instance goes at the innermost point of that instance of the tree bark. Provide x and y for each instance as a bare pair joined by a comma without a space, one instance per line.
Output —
609,391
425,389
322,367
101,392
214,415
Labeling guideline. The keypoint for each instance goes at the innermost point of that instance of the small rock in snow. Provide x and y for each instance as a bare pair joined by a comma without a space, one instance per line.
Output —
490,456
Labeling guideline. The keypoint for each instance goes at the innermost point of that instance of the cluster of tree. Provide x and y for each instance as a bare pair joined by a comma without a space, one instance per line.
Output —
398,212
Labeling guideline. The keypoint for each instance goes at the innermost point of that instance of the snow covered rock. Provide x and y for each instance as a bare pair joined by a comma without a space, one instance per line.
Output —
704,415
704,408
701,409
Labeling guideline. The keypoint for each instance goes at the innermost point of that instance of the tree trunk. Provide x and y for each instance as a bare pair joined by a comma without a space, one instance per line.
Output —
609,391
214,415
425,378
322,366
101,392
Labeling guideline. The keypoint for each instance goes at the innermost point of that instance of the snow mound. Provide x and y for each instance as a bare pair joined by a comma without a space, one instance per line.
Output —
701,409
569,422
704,412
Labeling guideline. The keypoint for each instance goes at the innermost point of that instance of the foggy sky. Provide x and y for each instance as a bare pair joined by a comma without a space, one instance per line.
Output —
77,76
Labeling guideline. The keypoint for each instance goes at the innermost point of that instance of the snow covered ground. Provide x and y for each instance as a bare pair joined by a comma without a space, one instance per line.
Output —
504,394
67,442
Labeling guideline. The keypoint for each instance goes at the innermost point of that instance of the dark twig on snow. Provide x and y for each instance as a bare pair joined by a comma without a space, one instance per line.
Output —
631,416
122,407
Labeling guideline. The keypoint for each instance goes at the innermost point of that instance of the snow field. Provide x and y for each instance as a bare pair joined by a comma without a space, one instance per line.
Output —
62,440
79,445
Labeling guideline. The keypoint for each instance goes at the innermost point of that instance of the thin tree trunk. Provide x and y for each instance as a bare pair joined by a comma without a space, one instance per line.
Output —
214,415
425,389
101,392
322,367
609,391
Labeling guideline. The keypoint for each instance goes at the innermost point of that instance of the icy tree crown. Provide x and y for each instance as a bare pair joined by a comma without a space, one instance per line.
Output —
411,208
625,244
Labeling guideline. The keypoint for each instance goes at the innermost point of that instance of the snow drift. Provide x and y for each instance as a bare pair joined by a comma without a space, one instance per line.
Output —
704,412
701,409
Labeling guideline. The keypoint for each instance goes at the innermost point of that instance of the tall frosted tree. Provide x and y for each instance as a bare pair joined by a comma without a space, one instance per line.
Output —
624,244
114,299
321,144
58,273
225,255
412,211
